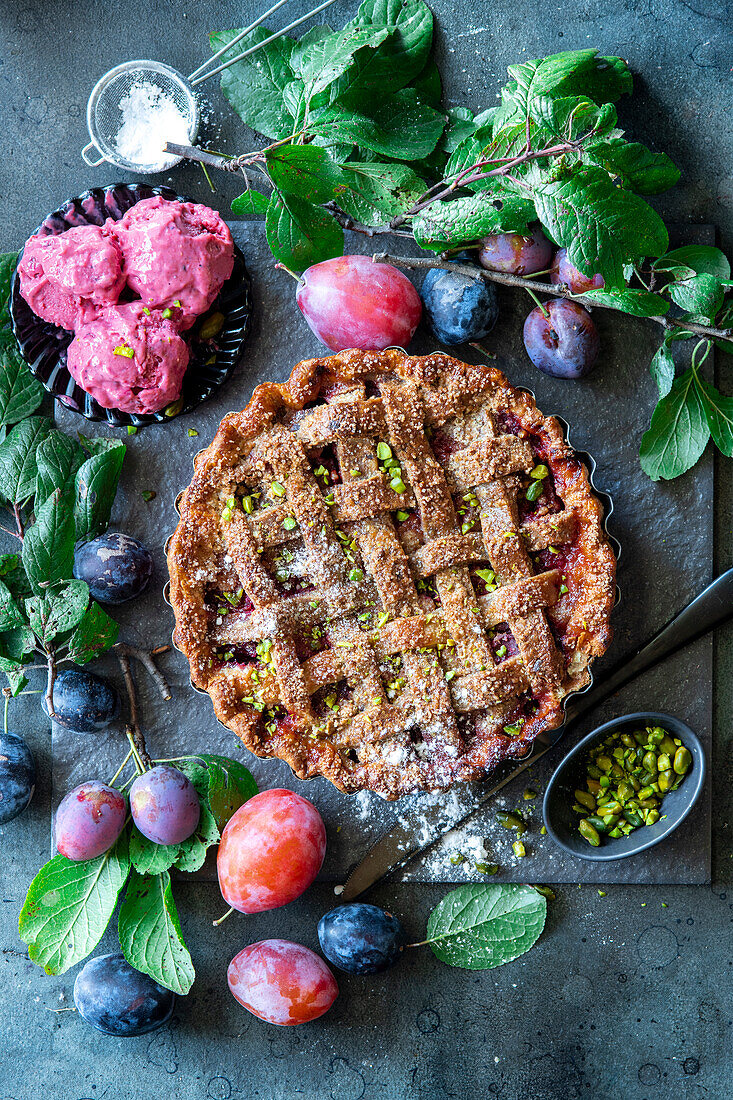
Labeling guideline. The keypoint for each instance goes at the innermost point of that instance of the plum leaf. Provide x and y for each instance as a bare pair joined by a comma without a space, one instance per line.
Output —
48,546
254,87
18,468
150,932
300,234
480,927
678,433
465,220
94,634
20,392
96,485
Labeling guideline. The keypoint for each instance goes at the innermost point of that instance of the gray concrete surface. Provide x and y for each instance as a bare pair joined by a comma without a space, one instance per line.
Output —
625,996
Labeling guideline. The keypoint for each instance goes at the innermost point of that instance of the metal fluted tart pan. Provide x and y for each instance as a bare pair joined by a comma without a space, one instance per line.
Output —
212,361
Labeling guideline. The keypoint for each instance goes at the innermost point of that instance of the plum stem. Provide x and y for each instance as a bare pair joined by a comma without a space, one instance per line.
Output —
146,659
121,768
559,291
139,765
50,681
221,920
135,734
298,278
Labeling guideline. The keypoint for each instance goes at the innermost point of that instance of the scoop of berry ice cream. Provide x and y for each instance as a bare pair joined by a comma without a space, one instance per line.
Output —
68,277
177,254
129,358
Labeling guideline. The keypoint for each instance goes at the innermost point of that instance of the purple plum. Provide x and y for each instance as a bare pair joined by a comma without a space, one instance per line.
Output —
561,339
89,820
516,253
164,805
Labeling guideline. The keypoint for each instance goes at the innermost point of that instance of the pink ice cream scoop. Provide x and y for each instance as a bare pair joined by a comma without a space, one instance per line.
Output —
67,278
130,358
177,254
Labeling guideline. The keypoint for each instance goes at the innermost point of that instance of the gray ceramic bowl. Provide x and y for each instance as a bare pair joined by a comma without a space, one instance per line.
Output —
561,821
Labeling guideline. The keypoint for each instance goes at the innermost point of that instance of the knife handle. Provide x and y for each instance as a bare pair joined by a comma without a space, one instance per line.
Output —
710,609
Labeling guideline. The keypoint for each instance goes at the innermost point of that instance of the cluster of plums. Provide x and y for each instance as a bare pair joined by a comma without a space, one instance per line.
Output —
117,568
352,302
271,850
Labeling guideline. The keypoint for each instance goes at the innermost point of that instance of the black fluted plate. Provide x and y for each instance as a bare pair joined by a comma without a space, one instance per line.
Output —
44,345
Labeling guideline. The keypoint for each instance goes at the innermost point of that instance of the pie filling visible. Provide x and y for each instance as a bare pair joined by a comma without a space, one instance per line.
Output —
390,571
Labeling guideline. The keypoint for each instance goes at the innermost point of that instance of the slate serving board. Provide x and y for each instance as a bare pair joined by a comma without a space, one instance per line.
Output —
666,532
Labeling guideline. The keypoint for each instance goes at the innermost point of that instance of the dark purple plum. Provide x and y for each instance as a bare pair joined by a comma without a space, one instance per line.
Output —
459,307
360,938
563,272
164,805
89,820
17,776
116,567
118,1000
83,701
516,253
562,341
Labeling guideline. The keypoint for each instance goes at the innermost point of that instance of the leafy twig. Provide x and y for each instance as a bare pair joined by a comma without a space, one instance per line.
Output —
559,291
19,521
124,649
347,222
50,681
138,740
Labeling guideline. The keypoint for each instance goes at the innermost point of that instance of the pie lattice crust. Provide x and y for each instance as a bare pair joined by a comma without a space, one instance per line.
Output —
369,583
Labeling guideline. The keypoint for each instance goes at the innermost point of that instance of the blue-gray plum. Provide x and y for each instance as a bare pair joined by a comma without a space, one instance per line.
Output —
84,701
116,566
459,307
361,938
118,1000
516,253
89,820
164,805
17,776
563,272
562,341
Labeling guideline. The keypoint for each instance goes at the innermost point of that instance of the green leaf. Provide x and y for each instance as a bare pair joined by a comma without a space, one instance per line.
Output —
462,221
58,458
699,259
17,645
571,117
405,54
300,234
96,485
150,932
639,303
10,615
459,127
662,369
48,547
58,611
254,86
719,415
230,786
306,171
374,193
480,927
149,858
575,72
207,829
191,854
429,88
8,263
69,906
20,392
602,226
18,468
642,171
701,295
98,445
327,58
95,634
678,433
250,203
396,126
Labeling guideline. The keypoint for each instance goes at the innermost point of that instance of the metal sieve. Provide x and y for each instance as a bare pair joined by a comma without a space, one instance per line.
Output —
104,117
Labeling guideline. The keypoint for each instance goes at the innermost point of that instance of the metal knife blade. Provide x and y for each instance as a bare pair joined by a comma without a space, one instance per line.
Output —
420,829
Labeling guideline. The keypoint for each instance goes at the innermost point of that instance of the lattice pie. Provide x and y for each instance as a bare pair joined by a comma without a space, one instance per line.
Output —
390,571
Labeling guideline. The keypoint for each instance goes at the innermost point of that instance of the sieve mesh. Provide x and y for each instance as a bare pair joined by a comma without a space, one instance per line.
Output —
105,118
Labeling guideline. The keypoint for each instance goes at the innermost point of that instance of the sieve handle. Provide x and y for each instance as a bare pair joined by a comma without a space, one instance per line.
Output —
85,155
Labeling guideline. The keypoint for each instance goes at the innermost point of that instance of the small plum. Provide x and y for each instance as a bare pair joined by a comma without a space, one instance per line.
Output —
282,982
561,339
459,307
516,253
164,805
83,701
17,776
116,567
361,938
352,302
89,820
271,850
563,272
118,1000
